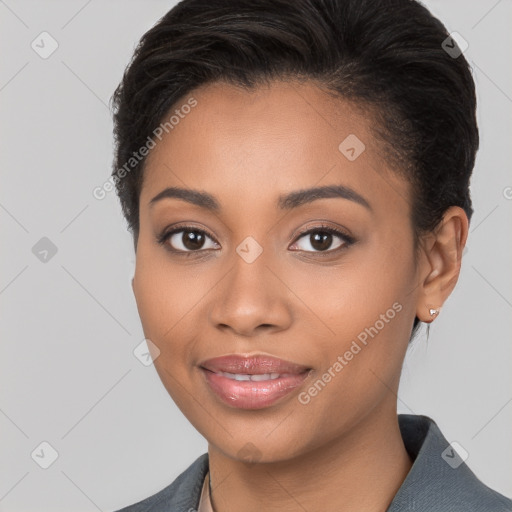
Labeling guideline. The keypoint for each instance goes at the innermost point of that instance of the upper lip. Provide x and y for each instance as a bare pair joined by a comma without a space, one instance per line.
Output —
252,365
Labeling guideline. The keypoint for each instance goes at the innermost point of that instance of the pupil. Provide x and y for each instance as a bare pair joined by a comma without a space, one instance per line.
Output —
321,241
193,240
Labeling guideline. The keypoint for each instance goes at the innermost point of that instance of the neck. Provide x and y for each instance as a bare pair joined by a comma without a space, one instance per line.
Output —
360,470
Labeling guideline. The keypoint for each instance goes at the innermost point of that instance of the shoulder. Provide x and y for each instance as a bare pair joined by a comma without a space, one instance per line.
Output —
182,495
439,479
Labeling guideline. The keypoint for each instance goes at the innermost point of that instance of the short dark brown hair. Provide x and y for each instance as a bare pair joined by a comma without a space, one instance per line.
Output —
386,54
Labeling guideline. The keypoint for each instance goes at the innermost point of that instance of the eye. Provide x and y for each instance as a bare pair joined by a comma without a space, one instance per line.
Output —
187,239
321,239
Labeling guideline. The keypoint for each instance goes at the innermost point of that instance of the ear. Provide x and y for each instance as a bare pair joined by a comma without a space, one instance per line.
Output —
440,263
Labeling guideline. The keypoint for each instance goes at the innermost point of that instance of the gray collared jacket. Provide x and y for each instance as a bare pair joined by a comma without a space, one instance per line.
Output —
439,480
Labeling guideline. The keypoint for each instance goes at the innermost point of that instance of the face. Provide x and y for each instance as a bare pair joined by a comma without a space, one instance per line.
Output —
325,281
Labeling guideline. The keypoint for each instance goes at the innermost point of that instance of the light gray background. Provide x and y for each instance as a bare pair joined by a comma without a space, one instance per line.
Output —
69,326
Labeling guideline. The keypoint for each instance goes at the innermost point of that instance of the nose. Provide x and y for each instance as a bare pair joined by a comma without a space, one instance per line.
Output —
251,298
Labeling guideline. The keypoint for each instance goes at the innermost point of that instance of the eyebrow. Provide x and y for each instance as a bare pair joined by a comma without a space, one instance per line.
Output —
285,202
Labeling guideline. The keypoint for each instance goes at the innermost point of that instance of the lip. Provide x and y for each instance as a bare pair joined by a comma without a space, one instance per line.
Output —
248,394
252,364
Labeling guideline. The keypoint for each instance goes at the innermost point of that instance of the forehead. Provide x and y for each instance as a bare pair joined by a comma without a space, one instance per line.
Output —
255,144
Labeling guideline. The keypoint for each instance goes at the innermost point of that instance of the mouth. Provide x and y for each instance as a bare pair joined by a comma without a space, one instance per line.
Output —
238,364
256,377
252,382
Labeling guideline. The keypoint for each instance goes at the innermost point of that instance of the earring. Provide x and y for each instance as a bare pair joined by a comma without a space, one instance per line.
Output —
433,312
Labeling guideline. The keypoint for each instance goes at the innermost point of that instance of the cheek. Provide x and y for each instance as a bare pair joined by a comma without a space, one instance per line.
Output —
161,303
343,300
360,359
362,312
170,300
163,291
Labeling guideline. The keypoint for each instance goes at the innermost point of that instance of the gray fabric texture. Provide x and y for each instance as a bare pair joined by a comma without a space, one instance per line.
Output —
439,481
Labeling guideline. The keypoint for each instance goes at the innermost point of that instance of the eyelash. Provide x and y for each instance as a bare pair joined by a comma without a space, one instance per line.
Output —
347,239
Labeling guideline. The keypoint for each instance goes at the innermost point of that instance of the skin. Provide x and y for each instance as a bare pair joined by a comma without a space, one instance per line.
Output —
342,450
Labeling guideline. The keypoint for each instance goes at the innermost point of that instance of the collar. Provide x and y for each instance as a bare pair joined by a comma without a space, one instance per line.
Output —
438,481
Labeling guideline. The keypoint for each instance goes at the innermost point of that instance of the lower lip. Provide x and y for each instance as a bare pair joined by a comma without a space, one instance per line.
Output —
247,394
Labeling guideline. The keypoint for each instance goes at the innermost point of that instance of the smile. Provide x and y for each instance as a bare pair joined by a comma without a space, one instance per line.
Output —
252,377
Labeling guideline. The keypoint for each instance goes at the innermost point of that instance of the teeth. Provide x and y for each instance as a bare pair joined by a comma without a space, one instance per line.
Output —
265,376
240,376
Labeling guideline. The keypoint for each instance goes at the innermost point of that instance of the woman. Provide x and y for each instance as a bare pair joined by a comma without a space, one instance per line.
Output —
295,175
